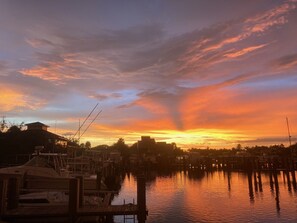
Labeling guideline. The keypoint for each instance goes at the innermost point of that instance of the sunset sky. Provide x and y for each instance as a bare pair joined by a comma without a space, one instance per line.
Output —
196,72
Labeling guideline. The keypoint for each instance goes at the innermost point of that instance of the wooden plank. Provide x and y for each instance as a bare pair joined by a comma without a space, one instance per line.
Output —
57,183
49,183
109,210
62,211
36,212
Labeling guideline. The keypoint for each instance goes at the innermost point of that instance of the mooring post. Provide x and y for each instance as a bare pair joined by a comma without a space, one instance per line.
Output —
141,198
250,182
3,195
255,181
81,191
13,193
260,181
73,203
294,180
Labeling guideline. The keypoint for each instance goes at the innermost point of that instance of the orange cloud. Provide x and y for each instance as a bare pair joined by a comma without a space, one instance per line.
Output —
11,99
151,105
42,73
285,62
223,43
275,16
209,51
239,53
257,114
56,68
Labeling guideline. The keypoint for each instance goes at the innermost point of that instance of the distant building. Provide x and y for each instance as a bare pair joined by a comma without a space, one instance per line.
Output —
146,144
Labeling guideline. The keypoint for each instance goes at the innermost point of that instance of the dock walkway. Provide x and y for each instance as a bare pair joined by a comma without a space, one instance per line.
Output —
74,209
63,211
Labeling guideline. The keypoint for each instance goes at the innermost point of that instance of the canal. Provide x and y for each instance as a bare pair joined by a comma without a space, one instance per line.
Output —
189,196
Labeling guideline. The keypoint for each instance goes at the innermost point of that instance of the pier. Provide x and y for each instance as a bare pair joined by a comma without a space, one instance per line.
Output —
243,163
75,210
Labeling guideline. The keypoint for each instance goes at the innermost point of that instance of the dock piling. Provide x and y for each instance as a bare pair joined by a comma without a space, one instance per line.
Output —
81,190
141,199
73,202
3,193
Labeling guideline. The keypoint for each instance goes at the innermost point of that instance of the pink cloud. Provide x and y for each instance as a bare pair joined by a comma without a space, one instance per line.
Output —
241,52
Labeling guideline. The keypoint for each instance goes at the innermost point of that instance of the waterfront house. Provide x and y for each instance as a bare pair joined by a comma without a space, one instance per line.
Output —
17,146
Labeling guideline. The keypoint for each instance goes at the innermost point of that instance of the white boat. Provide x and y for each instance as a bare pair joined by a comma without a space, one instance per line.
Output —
42,165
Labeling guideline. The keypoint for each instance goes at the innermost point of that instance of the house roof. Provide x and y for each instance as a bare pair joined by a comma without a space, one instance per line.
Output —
36,124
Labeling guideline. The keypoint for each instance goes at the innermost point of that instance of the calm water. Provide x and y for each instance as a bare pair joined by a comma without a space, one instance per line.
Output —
215,197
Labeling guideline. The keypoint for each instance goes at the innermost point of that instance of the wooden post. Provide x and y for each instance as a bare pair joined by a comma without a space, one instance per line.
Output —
294,180
13,193
288,180
260,181
81,191
3,195
276,191
141,199
271,181
73,202
255,181
250,182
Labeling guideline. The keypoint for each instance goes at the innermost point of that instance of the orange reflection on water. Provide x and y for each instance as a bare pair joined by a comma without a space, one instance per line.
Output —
193,196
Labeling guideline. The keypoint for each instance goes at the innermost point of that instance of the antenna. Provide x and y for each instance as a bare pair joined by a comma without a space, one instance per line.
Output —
289,131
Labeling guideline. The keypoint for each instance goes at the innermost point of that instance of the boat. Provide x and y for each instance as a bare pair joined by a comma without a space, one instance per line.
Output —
41,165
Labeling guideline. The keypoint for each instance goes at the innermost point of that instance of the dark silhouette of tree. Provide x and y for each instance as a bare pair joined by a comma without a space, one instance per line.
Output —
88,145
121,146
3,125
14,128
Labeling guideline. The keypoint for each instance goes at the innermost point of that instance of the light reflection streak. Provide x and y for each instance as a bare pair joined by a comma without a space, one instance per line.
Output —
206,197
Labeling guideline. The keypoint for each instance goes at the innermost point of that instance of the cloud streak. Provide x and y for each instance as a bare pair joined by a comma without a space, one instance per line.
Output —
286,62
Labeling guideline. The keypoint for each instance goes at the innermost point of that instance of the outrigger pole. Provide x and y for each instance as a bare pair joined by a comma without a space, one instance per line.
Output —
90,124
289,131
80,126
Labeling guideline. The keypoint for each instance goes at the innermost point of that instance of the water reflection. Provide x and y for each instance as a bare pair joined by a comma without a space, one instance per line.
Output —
200,196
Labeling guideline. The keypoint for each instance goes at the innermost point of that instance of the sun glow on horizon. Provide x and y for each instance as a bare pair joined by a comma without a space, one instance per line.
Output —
195,138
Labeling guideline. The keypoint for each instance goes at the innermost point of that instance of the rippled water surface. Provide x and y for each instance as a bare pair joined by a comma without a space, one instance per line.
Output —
215,197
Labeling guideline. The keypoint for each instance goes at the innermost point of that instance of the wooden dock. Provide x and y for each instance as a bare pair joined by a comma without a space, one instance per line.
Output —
11,209
63,211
